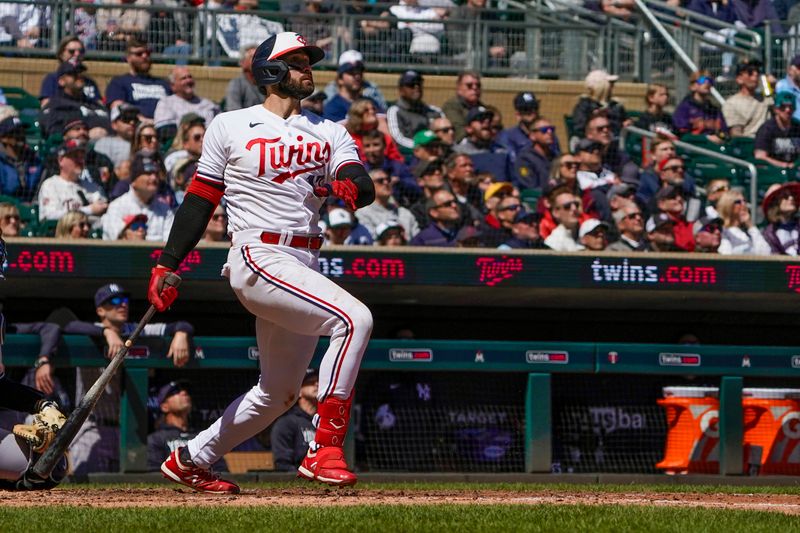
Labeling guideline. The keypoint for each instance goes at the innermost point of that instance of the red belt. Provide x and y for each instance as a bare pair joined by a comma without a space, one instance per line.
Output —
308,242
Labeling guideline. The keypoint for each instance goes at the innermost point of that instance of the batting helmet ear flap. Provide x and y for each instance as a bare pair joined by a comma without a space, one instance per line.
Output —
268,73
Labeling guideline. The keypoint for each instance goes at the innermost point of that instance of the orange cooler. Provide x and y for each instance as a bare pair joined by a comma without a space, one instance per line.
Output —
692,430
772,430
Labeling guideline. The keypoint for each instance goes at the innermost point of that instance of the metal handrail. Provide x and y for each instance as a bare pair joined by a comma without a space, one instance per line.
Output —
705,152
682,56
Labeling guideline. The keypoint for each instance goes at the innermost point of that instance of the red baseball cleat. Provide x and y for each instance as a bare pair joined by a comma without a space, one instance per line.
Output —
194,477
327,466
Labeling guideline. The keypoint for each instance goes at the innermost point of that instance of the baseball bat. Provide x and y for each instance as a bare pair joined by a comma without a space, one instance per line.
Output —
63,438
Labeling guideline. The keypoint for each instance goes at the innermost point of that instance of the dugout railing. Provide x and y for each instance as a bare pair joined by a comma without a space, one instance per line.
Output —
540,361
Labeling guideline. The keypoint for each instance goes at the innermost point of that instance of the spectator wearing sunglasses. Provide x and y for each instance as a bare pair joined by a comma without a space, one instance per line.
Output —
70,103
404,185
630,225
740,236
533,161
188,142
716,188
778,139
524,232
780,208
73,225
593,235
696,114
69,49
467,97
135,228
385,208
670,201
517,137
183,100
117,147
137,87
445,216
662,149
498,228
481,145
410,113
566,211
96,447
744,112
791,83
217,227
141,198
599,129
10,221
444,129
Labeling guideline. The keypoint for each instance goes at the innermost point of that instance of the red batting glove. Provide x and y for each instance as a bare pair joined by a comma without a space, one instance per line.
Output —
346,190
159,295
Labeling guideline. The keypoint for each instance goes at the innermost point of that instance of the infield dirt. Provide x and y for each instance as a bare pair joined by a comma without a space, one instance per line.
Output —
298,497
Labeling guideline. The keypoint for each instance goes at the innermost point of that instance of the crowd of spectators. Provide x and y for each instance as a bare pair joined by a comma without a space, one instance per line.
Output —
116,165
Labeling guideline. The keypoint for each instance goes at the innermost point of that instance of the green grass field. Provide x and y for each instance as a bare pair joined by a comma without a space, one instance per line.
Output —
200,514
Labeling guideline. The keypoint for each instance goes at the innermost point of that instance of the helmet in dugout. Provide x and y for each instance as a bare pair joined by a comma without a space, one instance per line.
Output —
268,68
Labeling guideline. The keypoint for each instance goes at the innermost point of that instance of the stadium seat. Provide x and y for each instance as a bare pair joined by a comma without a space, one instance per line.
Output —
530,197
46,228
28,107
741,147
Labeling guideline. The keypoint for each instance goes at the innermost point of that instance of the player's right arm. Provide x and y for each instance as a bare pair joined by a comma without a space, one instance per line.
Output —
202,197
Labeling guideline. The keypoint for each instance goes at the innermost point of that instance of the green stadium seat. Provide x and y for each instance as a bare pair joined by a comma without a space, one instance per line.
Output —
530,197
28,213
46,228
741,147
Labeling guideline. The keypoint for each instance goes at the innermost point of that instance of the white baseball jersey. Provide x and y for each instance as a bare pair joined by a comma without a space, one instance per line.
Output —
269,167
57,196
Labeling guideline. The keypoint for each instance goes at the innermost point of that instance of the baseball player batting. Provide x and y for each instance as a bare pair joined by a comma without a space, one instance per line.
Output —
275,164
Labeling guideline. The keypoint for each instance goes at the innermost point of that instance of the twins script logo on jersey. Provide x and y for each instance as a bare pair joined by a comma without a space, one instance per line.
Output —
309,156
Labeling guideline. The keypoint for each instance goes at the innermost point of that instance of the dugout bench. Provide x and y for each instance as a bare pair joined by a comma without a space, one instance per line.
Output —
539,360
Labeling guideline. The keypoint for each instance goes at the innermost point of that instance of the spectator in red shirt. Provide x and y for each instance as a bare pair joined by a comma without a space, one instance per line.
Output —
669,200
362,117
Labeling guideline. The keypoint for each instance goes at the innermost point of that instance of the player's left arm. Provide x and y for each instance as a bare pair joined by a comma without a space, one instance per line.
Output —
357,174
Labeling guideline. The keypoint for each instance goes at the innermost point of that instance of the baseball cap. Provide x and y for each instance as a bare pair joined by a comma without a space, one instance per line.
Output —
143,164
697,74
289,41
668,191
425,168
746,65
587,145
71,145
170,389
10,124
527,216
591,225
338,218
123,111
344,68
130,219
622,189
351,56
73,124
70,68
478,113
599,76
656,221
526,101
106,292
704,222
383,227
311,376
784,98
496,188
777,189
408,78
425,137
